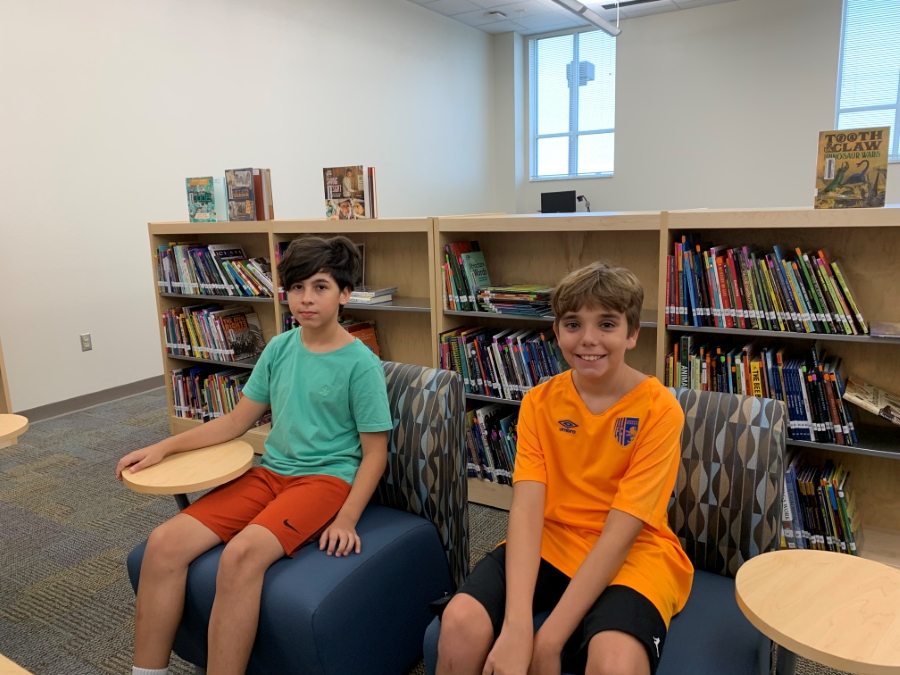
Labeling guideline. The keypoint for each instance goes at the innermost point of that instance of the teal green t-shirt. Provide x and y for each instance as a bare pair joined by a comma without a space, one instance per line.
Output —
320,403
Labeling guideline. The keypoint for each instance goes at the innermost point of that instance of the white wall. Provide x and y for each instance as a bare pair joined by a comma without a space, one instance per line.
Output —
107,106
718,107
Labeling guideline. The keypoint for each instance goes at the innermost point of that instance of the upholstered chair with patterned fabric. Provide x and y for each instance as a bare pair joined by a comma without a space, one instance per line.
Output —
726,508
363,613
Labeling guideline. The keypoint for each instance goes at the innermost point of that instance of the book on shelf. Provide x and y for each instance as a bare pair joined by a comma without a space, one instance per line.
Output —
215,269
491,438
364,331
349,193
241,194
372,295
205,197
744,287
818,509
204,394
502,363
809,383
262,189
851,168
213,332
884,329
875,400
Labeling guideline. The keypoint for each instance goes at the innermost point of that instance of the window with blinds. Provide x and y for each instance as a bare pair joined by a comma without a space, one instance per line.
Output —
869,70
572,90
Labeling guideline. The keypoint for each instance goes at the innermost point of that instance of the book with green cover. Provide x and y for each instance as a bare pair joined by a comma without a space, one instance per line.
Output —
476,270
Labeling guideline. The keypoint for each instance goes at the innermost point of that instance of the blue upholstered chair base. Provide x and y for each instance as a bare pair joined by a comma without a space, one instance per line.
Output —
322,615
710,636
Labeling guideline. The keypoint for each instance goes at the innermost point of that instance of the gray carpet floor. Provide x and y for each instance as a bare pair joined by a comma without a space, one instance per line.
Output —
66,526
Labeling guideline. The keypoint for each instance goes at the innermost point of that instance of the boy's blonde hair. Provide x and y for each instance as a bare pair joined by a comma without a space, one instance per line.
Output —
600,285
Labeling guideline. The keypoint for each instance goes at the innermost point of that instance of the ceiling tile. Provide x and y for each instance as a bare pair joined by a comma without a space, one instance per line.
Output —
478,18
689,4
549,22
451,7
650,8
499,27
491,4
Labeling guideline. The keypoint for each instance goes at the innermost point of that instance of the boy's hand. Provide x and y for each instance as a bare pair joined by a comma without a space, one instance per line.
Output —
511,653
340,538
140,459
547,658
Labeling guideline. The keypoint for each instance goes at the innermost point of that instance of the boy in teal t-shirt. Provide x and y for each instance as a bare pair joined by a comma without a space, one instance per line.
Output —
325,454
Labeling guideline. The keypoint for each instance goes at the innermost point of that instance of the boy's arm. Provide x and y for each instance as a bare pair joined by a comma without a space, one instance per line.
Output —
225,428
600,567
512,651
340,537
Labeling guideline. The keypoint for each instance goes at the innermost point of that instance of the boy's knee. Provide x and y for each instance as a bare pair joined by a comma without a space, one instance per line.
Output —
239,559
165,547
465,621
614,653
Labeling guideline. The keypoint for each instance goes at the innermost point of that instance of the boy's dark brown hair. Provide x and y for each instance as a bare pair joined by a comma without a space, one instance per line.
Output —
600,285
309,255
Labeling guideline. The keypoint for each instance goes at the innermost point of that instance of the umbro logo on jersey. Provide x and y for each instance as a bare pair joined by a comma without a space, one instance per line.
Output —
567,426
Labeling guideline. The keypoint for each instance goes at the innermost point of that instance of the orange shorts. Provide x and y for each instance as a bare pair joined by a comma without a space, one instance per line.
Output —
296,509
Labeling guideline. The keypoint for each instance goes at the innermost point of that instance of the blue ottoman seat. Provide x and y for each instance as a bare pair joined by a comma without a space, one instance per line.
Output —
363,614
325,615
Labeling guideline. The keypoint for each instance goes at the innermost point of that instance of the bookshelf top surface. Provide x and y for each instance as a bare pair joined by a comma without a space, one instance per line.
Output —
553,222
322,226
783,218
186,228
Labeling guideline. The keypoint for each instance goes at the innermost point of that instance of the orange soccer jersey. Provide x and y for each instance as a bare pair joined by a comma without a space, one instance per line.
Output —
626,459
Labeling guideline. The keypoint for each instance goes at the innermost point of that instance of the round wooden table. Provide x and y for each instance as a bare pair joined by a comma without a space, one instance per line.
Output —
192,471
839,610
11,427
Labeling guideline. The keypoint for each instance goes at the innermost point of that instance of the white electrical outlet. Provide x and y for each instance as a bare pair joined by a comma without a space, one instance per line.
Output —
86,342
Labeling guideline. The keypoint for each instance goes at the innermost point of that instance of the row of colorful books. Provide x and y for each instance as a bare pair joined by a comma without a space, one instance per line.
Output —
244,194
503,363
810,384
214,269
491,442
818,510
204,394
743,287
214,332
468,286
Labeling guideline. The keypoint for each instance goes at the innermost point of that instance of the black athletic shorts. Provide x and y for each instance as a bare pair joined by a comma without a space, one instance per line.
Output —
618,608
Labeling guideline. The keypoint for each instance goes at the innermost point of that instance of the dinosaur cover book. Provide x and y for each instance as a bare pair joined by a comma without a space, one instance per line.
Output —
851,171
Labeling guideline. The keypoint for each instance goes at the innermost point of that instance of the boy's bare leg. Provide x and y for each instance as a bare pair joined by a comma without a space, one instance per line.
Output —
235,612
160,600
615,652
466,637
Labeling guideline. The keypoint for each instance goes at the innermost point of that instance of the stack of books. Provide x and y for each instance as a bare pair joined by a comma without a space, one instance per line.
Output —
491,442
244,194
743,287
818,511
809,383
372,295
519,300
504,364
213,332
215,269
465,272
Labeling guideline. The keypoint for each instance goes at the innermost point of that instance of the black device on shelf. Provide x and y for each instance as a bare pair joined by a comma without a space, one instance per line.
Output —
558,202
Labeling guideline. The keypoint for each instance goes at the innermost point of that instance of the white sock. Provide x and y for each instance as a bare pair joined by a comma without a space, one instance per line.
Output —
149,671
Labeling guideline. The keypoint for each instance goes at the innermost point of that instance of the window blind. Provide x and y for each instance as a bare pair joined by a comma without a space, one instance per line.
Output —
869,75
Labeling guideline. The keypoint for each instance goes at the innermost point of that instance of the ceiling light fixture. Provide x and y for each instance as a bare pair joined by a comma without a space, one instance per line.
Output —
589,15
496,15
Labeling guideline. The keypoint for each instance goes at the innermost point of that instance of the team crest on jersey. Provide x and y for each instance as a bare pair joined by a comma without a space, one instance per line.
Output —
626,430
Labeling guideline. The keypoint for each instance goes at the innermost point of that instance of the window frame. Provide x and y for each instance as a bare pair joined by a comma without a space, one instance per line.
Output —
533,135
894,150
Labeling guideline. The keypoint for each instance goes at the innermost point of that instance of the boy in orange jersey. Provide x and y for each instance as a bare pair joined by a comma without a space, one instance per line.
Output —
588,538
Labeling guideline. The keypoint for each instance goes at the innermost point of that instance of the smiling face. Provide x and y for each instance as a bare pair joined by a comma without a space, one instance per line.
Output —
594,341
316,301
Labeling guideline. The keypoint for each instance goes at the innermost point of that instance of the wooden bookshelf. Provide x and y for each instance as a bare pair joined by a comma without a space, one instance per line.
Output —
5,401
541,249
397,254
866,242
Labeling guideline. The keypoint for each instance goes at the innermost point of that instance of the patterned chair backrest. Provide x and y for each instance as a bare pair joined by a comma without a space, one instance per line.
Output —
726,507
426,467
